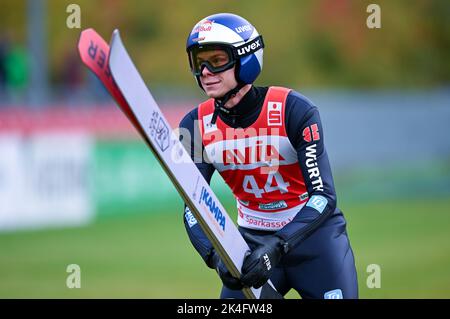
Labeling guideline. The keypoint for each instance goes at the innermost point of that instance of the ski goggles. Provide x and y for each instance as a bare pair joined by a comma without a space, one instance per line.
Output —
220,57
216,58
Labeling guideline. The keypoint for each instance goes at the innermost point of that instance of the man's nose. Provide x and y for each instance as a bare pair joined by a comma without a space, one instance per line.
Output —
205,71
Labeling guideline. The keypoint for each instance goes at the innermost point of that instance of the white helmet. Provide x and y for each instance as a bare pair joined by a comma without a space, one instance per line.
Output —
235,36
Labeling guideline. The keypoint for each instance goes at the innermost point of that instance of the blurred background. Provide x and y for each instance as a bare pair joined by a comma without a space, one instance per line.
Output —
78,186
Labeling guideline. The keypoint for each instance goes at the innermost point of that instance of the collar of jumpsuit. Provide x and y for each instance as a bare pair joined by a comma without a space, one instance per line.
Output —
247,110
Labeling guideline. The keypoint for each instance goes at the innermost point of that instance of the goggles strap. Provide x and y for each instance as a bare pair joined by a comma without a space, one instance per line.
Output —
250,47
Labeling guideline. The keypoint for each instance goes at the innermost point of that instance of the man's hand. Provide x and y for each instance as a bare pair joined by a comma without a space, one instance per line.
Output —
227,279
259,264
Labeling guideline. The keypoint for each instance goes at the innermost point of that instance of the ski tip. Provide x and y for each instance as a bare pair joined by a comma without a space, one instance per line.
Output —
87,32
116,33
88,36
115,37
83,39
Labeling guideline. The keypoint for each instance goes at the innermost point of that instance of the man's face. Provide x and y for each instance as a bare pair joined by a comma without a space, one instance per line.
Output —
216,85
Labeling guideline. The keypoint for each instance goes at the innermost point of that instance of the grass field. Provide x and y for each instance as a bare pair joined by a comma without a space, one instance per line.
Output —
150,256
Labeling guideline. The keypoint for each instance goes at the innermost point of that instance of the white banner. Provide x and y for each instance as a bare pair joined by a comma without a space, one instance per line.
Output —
44,180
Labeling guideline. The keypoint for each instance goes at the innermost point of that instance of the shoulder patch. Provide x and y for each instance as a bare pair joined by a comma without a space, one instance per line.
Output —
318,203
333,294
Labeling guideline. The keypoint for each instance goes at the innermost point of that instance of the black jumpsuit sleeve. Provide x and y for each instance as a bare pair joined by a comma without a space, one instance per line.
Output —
304,129
188,132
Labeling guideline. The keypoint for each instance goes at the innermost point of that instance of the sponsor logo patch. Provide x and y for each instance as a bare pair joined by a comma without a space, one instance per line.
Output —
311,133
313,167
159,131
190,219
198,39
304,196
202,26
251,47
274,205
207,126
244,202
257,222
274,113
318,203
208,202
243,28
267,261
254,152
333,294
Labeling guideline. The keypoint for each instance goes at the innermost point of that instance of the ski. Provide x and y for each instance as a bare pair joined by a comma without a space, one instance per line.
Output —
118,73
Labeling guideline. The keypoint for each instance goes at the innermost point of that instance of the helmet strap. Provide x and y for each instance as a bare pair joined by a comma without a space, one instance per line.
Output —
219,104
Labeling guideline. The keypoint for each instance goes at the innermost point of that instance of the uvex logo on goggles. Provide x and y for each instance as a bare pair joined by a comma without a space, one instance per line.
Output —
250,47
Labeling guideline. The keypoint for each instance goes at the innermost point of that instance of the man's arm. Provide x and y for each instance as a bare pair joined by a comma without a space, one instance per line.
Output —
305,132
188,131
